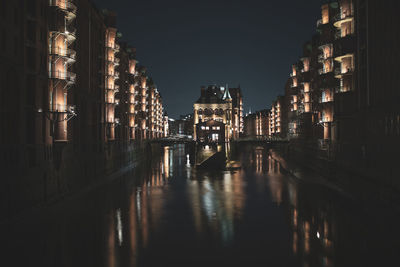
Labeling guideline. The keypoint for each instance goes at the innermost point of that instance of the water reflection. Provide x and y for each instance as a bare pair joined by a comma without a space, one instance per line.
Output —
217,202
311,239
168,213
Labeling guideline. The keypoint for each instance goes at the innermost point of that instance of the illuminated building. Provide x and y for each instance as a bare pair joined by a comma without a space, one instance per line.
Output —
218,116
68,54
182,126
61,36
341,93
278,118
257,124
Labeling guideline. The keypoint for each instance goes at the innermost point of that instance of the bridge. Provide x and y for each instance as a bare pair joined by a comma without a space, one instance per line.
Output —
245,140
260,140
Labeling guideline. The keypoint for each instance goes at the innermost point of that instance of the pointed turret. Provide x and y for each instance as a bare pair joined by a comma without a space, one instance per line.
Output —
227,95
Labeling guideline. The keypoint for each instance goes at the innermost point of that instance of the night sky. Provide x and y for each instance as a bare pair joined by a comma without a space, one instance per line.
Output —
186,44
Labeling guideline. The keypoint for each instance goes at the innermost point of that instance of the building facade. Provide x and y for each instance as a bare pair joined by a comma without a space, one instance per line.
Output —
256,125
182,126
75,81
217,105
340,96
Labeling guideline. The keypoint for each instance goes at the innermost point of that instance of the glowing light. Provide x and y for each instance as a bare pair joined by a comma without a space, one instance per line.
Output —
318,235
187,160
119,227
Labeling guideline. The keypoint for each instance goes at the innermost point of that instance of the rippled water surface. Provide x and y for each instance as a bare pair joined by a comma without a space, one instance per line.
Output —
167,213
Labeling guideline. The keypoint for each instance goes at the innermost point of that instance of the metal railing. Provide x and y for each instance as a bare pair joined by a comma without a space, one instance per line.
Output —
62,108
62,75
323,71
325,100
67,5
70,53
342,16
70,31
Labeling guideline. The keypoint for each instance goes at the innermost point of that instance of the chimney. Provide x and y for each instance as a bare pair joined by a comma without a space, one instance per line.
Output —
203,91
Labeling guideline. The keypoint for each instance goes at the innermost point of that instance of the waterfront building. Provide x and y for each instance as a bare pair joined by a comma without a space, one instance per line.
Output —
216,106
278,118
340,97
74,82
257,124
182,126
237,112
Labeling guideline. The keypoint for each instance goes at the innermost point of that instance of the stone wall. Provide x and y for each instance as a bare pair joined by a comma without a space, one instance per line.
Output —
60,171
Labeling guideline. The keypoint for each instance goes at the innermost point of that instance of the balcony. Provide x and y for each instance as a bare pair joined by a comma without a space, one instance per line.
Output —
342,89
68,53
67,76
65,5
62,108
323,100
323,71
305,70
325,120
113,60
112,45
341,18
110,100
322,57
340,72
344,47
68,31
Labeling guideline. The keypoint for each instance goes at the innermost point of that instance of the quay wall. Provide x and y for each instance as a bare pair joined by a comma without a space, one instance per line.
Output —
61,170
375,183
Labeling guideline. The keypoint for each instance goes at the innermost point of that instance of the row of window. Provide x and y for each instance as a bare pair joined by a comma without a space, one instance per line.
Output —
216,128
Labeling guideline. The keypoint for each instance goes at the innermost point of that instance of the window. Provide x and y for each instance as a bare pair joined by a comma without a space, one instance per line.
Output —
215,137
16,45
3,41
3,8
15,16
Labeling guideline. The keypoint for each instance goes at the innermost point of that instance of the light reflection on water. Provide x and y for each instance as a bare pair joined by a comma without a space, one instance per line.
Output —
170,214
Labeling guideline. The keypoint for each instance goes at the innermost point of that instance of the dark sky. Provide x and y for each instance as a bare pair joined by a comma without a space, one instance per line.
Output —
185,44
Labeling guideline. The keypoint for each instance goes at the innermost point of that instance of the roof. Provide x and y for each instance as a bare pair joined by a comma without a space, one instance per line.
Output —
214,95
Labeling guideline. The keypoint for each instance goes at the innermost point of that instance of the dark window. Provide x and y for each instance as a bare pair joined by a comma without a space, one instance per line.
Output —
16,16
31,8
42,35
16,45
43,10
30,129
4,41
3,8
31,31
31,57
30,90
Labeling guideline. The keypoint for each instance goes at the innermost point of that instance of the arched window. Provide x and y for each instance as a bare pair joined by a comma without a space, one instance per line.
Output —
208,112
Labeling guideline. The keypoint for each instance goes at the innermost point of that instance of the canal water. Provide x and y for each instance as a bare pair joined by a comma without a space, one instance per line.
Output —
168,213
